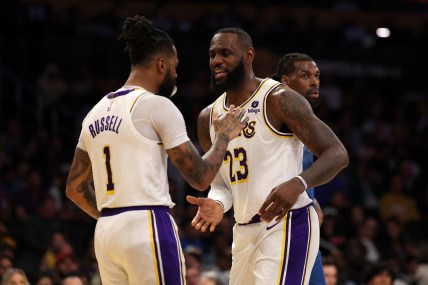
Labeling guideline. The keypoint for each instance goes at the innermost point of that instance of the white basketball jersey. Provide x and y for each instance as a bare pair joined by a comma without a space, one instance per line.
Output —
128,169
260,158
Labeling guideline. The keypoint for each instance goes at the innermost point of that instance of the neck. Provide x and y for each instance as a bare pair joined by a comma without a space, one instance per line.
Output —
141,78
243,91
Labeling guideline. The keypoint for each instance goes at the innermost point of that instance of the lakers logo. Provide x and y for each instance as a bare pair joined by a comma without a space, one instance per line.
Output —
249,130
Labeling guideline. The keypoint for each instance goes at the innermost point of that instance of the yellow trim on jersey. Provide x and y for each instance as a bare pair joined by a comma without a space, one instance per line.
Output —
284,242
135,101
152,242
308,249
265,120
250,98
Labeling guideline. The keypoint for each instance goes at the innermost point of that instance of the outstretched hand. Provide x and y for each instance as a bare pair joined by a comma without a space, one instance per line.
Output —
230,123
280,200
209,215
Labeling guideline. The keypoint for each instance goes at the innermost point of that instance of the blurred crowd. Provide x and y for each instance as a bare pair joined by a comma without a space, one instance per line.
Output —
54,67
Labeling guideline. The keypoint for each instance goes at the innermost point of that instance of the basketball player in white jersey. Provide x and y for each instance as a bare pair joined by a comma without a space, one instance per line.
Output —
119,170
276,237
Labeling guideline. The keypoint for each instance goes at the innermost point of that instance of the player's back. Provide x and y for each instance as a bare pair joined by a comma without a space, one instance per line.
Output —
128,169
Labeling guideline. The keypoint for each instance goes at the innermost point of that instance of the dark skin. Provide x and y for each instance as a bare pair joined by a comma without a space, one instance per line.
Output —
196,170
305,79
284,107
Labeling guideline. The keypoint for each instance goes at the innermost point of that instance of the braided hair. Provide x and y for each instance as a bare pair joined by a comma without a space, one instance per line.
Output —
143,40
286,64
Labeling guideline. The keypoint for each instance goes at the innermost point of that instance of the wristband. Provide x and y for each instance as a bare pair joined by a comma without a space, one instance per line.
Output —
303,181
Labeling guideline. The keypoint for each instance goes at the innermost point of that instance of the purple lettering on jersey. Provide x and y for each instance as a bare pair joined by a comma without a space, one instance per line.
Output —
92,131
111,122
105,124
117,130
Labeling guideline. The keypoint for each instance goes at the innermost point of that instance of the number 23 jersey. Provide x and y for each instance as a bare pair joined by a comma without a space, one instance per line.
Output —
260,158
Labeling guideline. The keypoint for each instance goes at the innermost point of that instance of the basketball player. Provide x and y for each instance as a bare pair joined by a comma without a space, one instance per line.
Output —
300,72
119,170
276,237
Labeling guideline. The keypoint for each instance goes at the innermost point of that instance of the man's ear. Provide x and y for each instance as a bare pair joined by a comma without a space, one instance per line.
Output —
249,56
284,79
161,66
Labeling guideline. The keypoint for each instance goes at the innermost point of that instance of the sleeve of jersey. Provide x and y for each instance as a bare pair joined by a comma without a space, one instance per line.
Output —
166,120
81,143
220,193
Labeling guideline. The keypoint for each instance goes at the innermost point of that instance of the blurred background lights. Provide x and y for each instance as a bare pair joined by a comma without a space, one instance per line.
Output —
383,32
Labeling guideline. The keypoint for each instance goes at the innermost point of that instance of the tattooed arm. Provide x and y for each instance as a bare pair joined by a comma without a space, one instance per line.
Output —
199,171
287,107
79,188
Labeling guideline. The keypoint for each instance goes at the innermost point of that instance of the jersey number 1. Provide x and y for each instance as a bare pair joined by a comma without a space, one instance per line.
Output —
110,184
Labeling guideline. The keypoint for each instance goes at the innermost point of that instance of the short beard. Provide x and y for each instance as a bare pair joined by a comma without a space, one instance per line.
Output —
233,79
313,102
167,86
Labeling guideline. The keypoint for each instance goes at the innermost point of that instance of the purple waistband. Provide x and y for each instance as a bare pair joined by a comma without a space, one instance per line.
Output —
105,212
255,219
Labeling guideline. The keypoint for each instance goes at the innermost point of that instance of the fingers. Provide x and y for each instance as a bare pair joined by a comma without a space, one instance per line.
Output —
270,213
193,200
201,225
281,215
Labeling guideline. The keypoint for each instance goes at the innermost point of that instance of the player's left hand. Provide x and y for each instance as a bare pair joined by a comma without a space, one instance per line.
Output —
280,200
209,215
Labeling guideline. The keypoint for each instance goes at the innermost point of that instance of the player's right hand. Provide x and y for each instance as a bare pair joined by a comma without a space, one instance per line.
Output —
230,123
209,215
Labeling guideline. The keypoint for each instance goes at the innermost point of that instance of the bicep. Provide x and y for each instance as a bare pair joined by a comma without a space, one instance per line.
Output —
294,111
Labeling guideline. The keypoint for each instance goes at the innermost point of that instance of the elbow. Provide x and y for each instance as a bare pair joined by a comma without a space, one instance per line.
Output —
201,186
343,157
69,193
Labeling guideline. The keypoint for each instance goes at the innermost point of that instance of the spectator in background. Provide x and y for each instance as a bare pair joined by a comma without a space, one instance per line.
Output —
15,276
378,274
210,278
6,263
73,280
396,203
330,270
44,279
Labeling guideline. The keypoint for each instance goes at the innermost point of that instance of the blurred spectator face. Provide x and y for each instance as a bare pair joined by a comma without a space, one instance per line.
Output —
330,274
5,264
192,276
16,279
74,280
382,278
45,280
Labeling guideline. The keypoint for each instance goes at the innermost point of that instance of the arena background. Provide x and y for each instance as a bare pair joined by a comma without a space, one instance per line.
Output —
58,58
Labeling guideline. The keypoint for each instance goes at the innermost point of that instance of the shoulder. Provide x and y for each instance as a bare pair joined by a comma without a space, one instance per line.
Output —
155,103
205,113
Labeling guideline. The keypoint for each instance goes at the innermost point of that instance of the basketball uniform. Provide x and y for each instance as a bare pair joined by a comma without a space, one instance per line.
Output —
136,239
258,160
317,274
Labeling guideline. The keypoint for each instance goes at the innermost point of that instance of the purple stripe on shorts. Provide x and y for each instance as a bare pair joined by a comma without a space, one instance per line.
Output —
169,249
298,252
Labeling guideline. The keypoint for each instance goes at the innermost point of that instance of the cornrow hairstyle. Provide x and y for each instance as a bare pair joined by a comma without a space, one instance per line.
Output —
286,64
244,38
143,40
